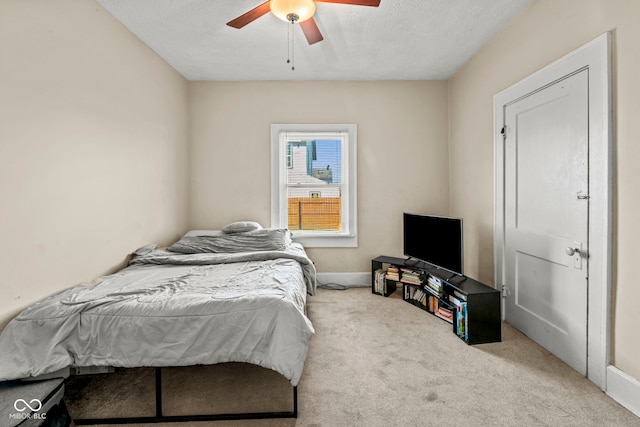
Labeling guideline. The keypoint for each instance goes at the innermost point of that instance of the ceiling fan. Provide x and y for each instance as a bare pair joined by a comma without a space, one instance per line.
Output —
300,11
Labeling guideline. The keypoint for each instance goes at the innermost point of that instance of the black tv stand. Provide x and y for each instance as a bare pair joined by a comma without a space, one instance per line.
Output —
473,308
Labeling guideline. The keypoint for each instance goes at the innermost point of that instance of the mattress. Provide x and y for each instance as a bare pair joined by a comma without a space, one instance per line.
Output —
172,309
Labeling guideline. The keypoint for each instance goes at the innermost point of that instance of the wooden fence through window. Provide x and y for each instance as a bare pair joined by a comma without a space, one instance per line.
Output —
315,213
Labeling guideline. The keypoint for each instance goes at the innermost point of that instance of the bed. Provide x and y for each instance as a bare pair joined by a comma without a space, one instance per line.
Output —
236,295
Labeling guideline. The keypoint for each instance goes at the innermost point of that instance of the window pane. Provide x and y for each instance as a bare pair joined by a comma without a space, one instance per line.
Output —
314,185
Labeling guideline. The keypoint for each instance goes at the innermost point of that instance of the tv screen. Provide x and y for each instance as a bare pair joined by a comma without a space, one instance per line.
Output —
434,239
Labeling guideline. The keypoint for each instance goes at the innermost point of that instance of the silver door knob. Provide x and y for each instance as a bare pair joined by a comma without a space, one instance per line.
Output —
570,251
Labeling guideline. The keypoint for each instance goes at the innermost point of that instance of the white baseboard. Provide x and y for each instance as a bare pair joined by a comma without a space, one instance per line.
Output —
350,280
624,389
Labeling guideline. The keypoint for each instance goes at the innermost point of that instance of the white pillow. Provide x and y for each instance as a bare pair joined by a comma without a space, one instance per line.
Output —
241,227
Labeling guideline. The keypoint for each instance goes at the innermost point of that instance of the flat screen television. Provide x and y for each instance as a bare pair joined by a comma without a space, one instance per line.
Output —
436,240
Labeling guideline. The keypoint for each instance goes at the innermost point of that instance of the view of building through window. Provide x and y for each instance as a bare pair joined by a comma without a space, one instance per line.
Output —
314,185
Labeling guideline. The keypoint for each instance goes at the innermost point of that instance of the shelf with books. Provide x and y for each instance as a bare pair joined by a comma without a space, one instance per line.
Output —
471,307
411,276
385,277
427,299
459,318
415,295
382,284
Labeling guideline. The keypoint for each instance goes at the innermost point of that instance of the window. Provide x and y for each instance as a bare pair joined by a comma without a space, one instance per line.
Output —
313,183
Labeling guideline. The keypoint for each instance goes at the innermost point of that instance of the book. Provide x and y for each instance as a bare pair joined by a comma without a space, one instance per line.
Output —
431,291
435,280
411,276
393,274
434,283
379,284
460,295
433,303
444,314
461,320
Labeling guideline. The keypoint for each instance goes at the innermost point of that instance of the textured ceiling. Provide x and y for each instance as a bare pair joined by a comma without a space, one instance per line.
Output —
400,40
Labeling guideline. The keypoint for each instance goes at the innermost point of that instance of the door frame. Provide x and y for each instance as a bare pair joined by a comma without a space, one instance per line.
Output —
595,57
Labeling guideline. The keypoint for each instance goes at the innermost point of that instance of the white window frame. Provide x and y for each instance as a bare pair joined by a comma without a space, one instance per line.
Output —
347,237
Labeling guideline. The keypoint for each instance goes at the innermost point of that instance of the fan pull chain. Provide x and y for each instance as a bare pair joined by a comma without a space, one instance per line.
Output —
290,53
293,59
288,44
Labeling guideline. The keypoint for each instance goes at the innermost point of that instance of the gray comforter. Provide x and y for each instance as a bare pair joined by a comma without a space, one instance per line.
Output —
169,309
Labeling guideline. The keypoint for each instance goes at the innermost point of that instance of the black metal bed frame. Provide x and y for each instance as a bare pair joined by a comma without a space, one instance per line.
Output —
160,418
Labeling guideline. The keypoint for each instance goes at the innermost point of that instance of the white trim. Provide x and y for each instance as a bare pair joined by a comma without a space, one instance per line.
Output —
594,56
350,280
624,389
349,172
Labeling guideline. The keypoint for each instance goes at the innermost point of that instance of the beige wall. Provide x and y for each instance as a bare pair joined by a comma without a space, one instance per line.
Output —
545,32
402,154
93,159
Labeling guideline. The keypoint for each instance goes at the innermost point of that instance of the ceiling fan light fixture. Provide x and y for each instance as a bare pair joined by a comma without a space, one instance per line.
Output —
283,9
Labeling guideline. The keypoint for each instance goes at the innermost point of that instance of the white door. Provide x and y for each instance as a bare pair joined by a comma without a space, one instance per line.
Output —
546,151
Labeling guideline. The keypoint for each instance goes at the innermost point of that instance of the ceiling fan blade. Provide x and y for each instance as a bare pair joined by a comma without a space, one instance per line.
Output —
250,16
311,31
373,3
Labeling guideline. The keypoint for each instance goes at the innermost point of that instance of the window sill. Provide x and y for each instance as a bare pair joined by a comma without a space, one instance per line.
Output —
326,241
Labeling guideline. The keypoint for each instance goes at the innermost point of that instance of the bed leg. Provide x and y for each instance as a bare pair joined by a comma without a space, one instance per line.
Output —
158,392
295,401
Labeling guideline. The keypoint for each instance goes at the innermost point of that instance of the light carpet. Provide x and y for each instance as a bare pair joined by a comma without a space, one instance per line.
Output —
373,361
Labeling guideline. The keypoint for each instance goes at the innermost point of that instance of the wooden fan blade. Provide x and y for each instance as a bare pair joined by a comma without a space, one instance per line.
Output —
311,31
373,3
250,16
